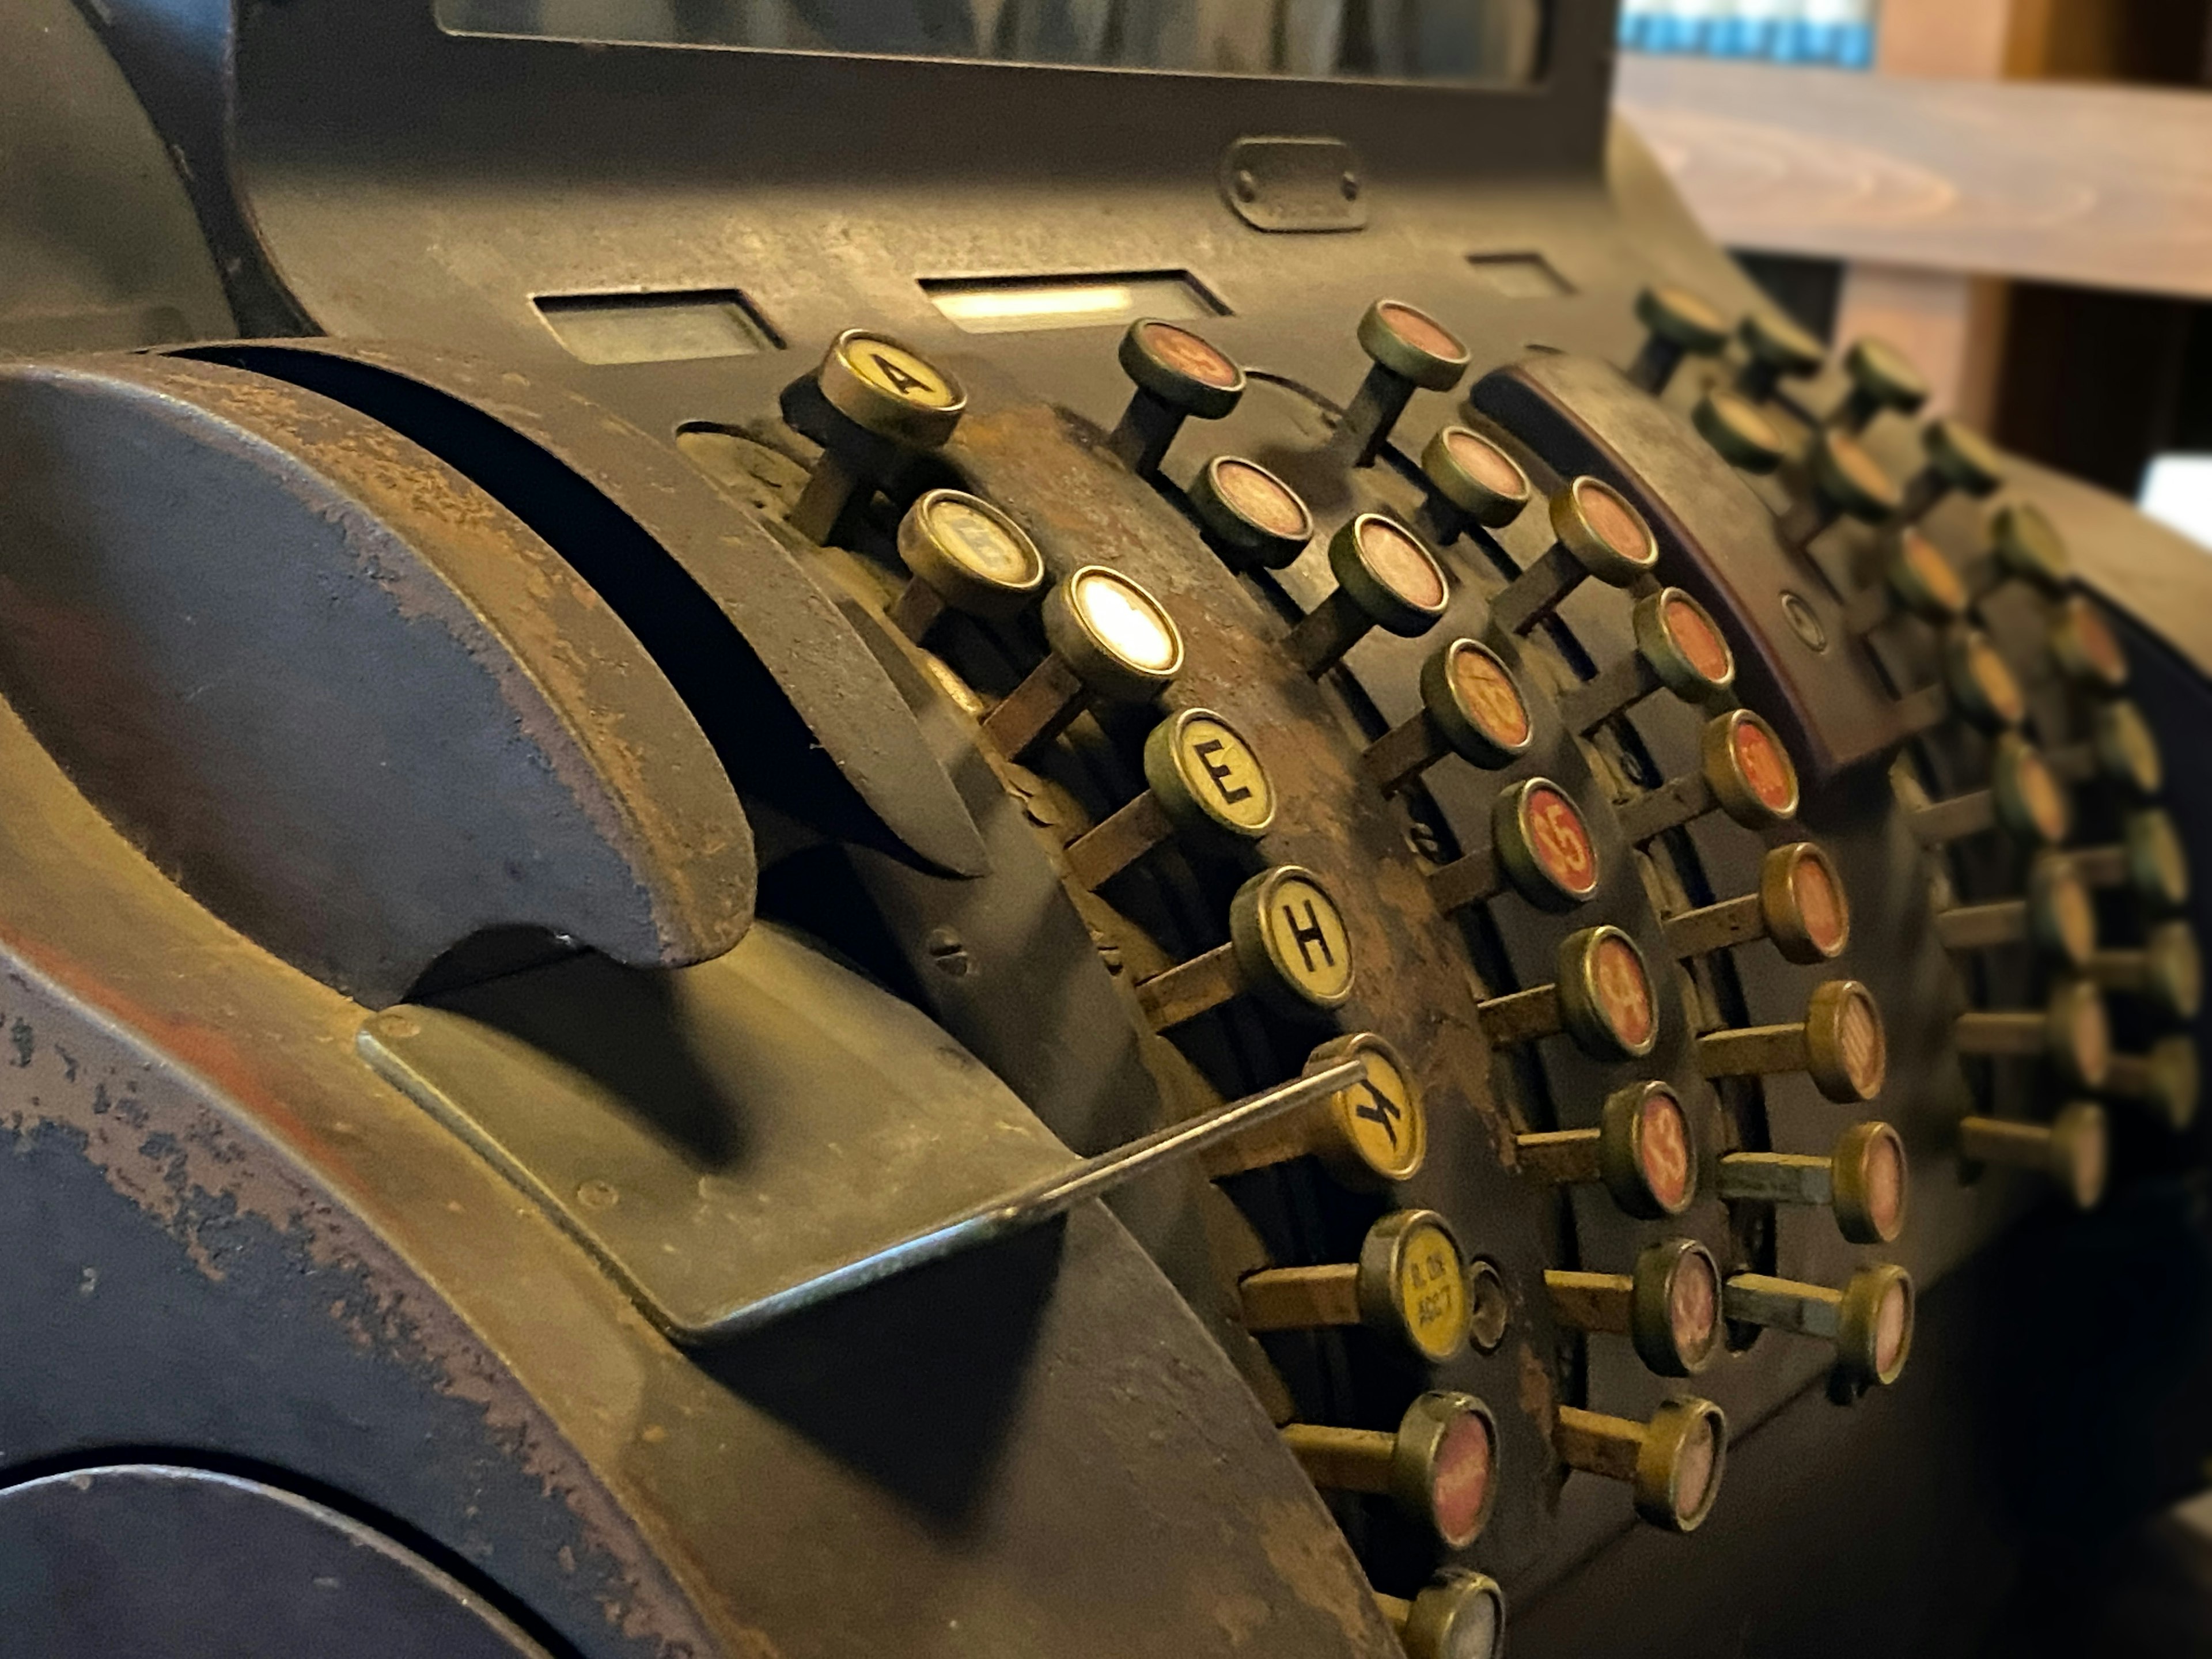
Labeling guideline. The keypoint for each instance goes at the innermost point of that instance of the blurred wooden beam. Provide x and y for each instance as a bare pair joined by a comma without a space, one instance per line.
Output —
2095,187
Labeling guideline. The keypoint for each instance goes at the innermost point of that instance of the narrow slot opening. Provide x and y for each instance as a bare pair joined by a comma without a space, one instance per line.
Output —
1010,305
657,328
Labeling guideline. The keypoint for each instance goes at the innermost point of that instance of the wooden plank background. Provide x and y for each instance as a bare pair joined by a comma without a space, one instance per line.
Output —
2100,187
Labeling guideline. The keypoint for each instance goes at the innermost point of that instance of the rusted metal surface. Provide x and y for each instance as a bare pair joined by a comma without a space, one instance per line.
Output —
194,1279
744,1139
360,711
619,504
1064,1459
1415,984
1065,1451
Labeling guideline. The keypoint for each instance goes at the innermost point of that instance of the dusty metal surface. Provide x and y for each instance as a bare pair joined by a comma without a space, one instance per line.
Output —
798,709
254,1204
96,1558
1056,1443
759,1134
361,712
101,248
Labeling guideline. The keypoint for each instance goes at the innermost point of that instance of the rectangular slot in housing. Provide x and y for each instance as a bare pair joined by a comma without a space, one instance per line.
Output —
1008,304
1519,276
656,328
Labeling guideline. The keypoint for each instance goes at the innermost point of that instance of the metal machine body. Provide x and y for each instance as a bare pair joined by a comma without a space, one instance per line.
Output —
567,1020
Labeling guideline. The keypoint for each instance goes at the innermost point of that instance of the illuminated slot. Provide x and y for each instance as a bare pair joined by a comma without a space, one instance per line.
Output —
1015,306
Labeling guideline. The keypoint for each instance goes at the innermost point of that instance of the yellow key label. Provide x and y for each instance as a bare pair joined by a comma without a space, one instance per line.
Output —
980,542
1223,774
1377,1113
1307,938
1127,622
1432,1291
899,372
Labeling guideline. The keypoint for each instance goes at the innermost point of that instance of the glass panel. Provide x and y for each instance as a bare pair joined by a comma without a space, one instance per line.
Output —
1465,40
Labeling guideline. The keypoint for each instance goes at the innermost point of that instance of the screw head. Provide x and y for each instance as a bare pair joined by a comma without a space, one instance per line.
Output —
945,947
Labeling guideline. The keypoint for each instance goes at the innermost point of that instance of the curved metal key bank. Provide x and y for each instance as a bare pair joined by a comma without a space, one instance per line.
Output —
1023,829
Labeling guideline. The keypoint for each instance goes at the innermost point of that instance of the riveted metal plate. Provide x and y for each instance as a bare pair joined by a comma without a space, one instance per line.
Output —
1295,183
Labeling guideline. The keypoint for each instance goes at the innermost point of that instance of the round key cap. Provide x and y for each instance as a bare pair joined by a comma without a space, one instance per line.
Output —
1681,324
2086,649
1672,1463
1864,1179
1743,771
1800,906
1540,844
2028,548
889,394
1286,928
1959,458
1439,1467
2057,917
1603,1000
1475,704
1924,581
1204,781
1882,379
1410,1283
1599,534
1978,686
1379,1126
1668,1308
2071,1033
1471,706
1405,341
1775,349
1409,350
2122,750
1111,642
1869,1320
966,555
1644,1151
890,389
2149,859
1739,433
1251,516
1846,482
1385,578
1473,481
1748,770
2024,800
1870,1183
1120,640
1178,376
2166,971
2073,1150
2165,1081
1368,1136
1461,1615
1679,648
1981,683
1288,946
1840,1044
